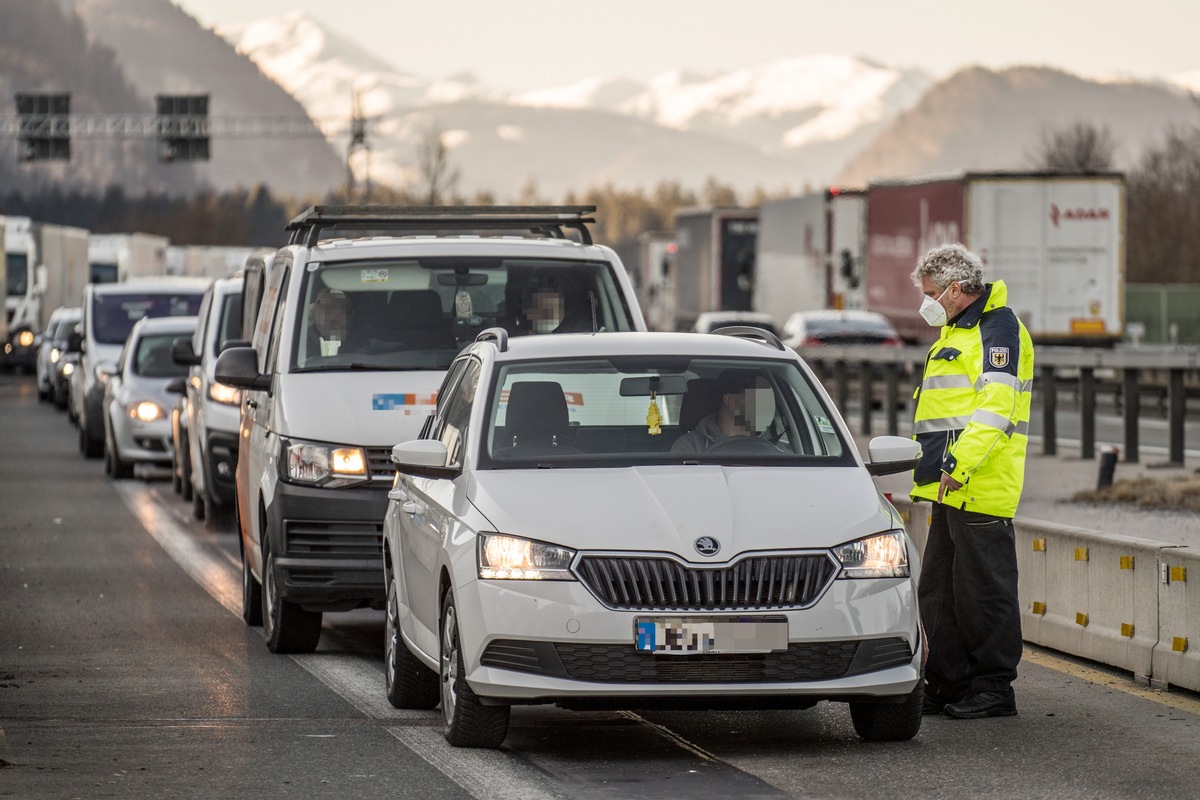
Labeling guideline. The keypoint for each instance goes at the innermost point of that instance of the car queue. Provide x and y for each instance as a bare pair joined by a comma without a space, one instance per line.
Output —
598,517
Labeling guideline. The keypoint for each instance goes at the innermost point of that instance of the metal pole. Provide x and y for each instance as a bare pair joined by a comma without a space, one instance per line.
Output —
1049,412
1087,412
1132,398
1176,406
840,387
864,397
891,397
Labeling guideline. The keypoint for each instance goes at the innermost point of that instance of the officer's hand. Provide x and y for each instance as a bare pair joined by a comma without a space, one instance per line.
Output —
948,484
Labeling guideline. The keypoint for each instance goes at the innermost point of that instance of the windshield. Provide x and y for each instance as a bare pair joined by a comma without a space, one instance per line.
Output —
101,272
658,410
418,313
114,315
153,357
17,265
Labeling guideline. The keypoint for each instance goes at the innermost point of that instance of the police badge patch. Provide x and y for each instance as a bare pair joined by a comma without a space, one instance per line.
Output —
998,357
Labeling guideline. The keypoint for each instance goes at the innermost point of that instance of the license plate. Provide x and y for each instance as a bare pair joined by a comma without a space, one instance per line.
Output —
689,635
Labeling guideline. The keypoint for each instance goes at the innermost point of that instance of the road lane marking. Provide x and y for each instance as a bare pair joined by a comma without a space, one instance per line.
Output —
671,736
1047,659
358,683
492,774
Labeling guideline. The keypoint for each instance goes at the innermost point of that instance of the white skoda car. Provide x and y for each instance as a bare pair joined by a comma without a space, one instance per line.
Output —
642,520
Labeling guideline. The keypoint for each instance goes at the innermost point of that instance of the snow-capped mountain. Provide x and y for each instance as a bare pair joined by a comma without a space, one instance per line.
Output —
798,119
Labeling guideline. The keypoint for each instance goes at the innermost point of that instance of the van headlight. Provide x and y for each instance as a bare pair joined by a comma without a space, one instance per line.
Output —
325,465
225,394
883,555
513,558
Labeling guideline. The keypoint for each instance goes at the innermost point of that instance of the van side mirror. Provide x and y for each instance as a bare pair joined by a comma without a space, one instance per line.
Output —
74,342
182,352
238,367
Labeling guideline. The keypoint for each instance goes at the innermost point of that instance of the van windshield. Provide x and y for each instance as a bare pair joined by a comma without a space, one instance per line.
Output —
418,313
114,315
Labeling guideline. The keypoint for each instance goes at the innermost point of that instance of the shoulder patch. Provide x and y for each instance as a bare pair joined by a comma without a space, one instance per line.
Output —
998,357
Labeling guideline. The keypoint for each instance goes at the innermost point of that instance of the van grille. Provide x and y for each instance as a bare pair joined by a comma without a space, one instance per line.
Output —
379,462
663,584
333,539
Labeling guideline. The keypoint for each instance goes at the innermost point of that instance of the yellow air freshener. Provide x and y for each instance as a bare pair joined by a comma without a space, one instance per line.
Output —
654,416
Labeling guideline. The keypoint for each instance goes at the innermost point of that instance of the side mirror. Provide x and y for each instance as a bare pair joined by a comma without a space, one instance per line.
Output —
425,458
177,386
238,367
182,352
228,343
74,342
106,368
892,454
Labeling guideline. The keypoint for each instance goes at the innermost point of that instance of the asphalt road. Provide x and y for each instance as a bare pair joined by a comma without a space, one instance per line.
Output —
125,671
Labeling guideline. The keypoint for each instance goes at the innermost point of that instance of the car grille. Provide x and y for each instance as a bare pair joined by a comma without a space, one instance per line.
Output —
333,539
663,584
379,462
607,663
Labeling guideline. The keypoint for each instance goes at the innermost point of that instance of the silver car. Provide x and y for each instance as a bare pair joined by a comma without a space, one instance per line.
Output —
137,421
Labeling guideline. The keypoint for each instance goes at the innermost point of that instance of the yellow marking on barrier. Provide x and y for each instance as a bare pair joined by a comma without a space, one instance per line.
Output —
1039,545
1179,644
1127,630
1081,554
1126,562
1081,619
1039,608
1178,574
1116,679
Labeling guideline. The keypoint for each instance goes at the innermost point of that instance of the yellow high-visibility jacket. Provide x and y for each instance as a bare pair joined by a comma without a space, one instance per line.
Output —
972,416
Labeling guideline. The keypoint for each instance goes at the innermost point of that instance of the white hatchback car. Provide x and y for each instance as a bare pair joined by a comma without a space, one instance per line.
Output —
646,519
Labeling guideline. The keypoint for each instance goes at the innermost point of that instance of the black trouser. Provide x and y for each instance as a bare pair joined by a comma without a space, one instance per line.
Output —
969,606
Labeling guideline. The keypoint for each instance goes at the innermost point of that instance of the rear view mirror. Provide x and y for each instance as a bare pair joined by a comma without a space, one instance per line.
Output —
462,279
659,384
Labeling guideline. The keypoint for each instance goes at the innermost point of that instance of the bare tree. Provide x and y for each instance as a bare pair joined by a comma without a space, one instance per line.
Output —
438,177
1079,147
1163,197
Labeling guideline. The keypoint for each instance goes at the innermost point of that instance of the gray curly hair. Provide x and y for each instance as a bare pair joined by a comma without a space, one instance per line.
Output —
948,263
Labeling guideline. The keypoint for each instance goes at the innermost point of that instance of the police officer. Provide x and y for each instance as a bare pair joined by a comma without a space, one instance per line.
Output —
972,420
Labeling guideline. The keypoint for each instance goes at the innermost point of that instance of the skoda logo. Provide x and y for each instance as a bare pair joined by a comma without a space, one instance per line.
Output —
707,546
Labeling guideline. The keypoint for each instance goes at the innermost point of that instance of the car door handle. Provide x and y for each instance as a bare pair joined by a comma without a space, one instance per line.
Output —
397,494
410,507
251,404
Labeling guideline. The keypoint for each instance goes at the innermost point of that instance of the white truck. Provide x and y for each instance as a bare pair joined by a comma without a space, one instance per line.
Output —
206,261
810,253
45,268
655,279
1057,241
116,257
715,262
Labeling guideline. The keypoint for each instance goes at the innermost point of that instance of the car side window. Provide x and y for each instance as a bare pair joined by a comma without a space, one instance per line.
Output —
280,291
457,414
433,427
202,323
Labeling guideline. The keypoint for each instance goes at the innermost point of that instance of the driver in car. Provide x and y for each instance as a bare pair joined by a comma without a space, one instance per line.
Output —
747,408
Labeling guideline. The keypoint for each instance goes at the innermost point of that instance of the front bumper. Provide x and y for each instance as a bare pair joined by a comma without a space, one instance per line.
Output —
14,355
545,641
330,553
142,441
220,464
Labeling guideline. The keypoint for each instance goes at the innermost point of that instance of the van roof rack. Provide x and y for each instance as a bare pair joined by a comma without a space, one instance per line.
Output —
760,335
541,221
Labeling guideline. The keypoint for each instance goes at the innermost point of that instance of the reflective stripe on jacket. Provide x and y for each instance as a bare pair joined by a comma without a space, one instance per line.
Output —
972,416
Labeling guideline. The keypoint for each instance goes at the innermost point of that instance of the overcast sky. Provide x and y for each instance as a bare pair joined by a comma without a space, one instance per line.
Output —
526,44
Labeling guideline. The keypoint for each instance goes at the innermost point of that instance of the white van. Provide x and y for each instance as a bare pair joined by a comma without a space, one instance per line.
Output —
352,340
110,311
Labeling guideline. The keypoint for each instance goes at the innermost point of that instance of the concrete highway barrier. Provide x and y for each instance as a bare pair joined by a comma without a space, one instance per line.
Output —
1126,602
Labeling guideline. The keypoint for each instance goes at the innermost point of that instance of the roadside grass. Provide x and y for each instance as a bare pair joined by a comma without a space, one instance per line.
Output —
1175,494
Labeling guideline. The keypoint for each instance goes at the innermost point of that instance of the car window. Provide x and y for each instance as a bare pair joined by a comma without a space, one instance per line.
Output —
606,412
419,313
152,357
202,322
114,315
451,428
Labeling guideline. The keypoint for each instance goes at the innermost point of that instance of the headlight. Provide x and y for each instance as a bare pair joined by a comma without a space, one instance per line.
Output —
146,411
55,355
504,557
883,555
324,465
225,394
25,338
68,369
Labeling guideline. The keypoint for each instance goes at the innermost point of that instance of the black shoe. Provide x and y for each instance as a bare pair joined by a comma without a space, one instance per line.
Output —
935,702
984,704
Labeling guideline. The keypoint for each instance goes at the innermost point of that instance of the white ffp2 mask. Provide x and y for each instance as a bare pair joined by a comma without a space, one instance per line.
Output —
932,311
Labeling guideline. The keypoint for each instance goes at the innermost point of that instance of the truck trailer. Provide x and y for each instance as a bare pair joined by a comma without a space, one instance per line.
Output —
810,253
45,268
1056,240
116,257
714,262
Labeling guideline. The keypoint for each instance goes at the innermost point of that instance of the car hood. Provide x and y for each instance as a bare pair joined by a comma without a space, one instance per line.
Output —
370,409
667,508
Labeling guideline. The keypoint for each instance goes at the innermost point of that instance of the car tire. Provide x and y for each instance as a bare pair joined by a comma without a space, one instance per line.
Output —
91,441
216,516
289,628
114,467
176,477
409,683
185,467
466,721
252,601
889,722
